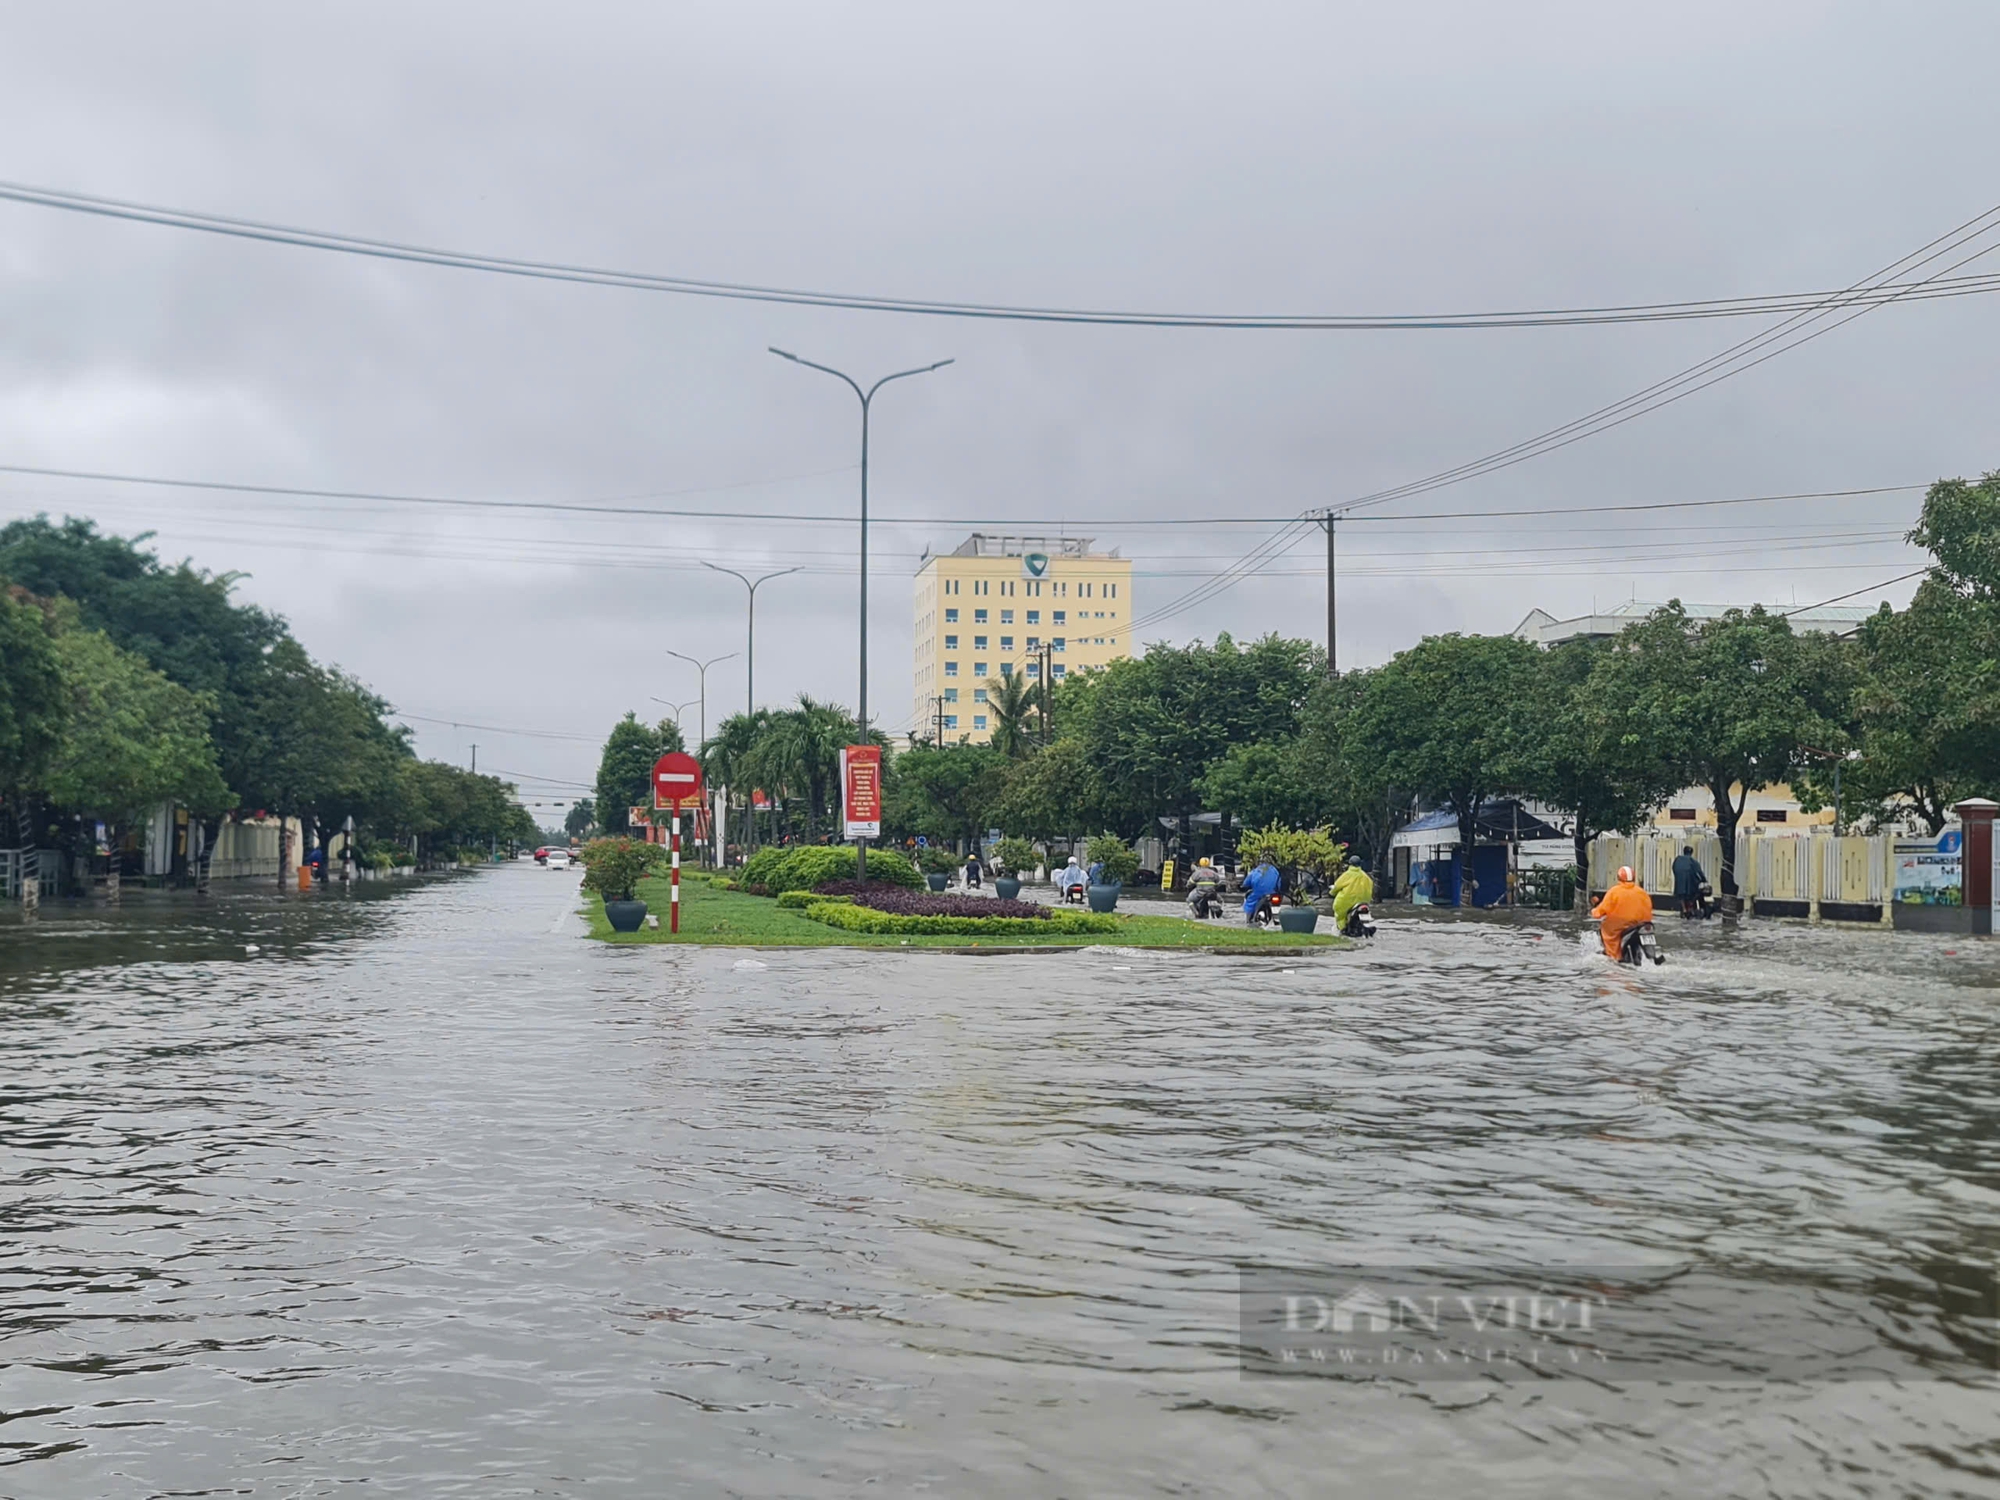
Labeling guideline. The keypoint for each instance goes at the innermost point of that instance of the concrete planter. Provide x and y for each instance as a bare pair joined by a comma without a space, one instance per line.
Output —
938,882
1103,897
1297,919
625,916
1007,887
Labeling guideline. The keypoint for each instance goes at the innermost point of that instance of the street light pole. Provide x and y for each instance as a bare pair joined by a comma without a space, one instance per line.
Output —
702,667
864,397
750,631
676,707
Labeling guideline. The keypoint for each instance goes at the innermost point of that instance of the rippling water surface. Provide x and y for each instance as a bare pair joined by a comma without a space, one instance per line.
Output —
417,1191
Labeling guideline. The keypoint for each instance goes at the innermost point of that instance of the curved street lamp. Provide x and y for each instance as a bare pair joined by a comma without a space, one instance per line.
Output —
702,667
750,633
864,397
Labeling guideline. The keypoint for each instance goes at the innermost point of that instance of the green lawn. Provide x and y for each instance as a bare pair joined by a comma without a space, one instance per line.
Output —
730,919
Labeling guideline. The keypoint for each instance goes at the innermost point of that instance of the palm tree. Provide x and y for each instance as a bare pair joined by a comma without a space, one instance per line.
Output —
1011,701
804,744
727,760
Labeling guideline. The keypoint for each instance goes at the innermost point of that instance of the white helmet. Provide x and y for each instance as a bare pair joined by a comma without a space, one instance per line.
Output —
1625,875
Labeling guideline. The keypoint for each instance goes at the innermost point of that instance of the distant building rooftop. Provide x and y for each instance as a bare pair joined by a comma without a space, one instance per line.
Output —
1544,629
995,544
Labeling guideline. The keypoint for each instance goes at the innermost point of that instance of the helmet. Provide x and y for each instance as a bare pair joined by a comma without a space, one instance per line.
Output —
1202,863
1625,873
1353,861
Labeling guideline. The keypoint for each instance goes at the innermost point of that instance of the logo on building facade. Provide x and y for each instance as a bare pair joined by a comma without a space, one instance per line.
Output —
1034,565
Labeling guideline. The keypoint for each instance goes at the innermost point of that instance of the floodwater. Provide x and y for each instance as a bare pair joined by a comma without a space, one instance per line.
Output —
414,1192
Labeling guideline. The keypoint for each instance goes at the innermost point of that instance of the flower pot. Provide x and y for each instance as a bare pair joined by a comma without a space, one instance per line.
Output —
1297,919
1103,897
1007,887
938,882
624,916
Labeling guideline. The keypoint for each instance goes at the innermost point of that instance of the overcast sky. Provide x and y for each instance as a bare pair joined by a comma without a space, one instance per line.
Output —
1313,157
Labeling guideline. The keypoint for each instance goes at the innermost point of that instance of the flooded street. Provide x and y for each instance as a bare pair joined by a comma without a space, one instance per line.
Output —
417,1191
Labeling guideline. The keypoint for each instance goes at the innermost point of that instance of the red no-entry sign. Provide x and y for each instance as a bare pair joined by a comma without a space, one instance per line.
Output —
676,782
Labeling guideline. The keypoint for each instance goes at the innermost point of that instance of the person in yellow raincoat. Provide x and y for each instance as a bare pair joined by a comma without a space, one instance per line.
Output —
1622,908
1352,887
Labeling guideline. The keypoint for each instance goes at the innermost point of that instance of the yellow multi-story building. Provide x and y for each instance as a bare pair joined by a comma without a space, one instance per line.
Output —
999,605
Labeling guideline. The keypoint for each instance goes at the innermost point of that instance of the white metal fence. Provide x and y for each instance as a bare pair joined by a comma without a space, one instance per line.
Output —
1811,870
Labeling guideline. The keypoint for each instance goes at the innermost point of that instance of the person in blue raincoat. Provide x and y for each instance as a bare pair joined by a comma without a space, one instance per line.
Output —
1259,886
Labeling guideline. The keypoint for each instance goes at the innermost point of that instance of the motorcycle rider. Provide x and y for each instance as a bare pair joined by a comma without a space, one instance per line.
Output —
1204,887
1353,887
1259,886
1622,908
1688,881
1072,878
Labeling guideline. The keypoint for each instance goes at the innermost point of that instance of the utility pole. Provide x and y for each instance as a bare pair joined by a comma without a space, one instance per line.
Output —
475,760
1332,670
1048,675
865,397
937,712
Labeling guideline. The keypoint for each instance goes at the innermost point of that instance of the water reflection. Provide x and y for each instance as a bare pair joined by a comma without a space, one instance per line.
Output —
414,1189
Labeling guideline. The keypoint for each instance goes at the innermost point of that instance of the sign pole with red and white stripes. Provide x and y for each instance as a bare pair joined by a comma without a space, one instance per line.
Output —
674,901
676,781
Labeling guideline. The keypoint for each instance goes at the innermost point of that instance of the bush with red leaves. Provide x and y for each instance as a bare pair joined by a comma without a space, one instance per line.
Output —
902,903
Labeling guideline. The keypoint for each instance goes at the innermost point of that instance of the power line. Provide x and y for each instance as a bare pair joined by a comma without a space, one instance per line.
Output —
1865,589
537,734
285,234
1734,360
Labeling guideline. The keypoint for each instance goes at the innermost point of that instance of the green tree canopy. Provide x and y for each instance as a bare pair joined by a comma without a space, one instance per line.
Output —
950,793
134,738
34,707
625,768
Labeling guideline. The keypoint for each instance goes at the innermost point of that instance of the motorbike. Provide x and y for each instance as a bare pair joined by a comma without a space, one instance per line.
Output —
1701,906
1360,922
1073,895
1206,901
1640,946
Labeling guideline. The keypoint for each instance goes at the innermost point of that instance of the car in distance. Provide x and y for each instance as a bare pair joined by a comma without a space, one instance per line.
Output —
557,859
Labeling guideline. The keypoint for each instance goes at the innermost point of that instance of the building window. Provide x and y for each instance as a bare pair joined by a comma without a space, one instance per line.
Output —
1111,591
979,669
979,721
979,695
1062,591
1057,670
951,721
1034,617
1034,643
979,617
951,585
979,643
1006,617
1060,617
951,643
1056,644
951,695
983,586
1034,669
951,617
1034,590
1006,643
951,669
1006,669
1680,814
1007,589
1770,815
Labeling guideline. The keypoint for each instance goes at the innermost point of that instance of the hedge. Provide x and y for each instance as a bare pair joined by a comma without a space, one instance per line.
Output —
862,919
772,870
799,900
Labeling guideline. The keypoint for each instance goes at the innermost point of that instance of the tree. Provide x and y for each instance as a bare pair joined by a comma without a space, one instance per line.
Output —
134,739
1446,719
1333,755
582,817
949,793
1732,704
1012,703
801,751
1586,760
1960,526
1152,725
1262,783
1051,794
625,768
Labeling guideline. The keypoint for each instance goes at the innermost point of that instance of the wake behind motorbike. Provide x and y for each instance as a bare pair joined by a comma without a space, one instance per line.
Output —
1640,946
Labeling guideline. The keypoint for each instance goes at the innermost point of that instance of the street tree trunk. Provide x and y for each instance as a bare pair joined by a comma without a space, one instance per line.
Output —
1728,813
284,849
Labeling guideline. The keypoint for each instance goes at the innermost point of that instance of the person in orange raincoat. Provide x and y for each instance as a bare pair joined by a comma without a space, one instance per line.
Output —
1623,907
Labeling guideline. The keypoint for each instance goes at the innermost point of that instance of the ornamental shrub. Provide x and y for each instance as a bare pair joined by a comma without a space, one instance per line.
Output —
772,871
1015,857
1120,863
799,900
613,867
856,887
935,859
866,920
924,904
